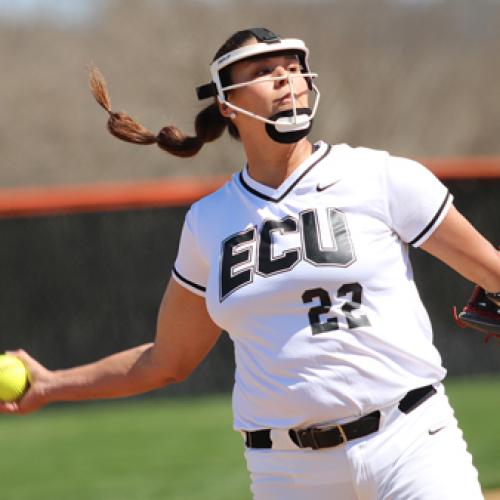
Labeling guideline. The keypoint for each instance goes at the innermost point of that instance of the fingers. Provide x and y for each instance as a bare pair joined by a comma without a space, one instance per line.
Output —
9,408
35,369
30,402
34,398
23,356
27,360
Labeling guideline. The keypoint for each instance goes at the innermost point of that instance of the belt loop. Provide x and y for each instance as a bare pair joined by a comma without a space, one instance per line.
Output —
415,398
248,440
342,433
315,445
259,439
294,436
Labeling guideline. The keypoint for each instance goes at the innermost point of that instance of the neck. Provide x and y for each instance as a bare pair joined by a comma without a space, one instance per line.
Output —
270,162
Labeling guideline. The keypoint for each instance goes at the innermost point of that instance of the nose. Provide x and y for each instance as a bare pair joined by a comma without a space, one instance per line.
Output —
280,71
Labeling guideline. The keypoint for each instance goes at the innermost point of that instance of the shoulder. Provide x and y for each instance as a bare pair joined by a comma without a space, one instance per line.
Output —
359,158
400,170
376,162
358,152
360,165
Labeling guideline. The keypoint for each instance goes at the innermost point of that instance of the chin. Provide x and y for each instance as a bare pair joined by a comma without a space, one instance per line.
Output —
282,107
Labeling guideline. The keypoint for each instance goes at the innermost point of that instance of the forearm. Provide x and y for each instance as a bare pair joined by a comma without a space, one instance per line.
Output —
185,334
494,283
459,245
122,374
484,272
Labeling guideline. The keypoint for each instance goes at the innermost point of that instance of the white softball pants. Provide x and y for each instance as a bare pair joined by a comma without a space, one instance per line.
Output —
417,456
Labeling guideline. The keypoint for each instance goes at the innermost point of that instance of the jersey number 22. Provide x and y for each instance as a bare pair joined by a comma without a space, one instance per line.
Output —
325,304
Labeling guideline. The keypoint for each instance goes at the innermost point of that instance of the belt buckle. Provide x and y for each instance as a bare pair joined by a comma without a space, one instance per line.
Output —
309,431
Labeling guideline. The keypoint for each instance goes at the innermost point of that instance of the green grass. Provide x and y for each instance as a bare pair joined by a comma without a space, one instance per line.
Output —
136,450
477,407
177,449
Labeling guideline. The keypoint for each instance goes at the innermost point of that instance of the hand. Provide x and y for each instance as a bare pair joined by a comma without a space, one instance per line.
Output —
37,395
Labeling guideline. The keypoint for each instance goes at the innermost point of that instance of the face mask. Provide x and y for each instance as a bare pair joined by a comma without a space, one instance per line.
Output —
286,126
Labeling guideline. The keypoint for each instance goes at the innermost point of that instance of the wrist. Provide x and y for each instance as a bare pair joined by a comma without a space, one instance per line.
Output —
60,387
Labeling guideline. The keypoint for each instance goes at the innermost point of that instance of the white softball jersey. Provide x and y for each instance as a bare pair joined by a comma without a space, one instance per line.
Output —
313,282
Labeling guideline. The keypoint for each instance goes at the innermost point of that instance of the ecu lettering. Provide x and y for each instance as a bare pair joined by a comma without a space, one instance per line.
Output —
269,264
236,251
341,254
239,262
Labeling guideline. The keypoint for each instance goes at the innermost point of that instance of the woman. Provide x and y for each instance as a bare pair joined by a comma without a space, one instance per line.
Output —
303,258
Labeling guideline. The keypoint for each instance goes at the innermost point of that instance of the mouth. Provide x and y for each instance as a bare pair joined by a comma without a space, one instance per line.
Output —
287,98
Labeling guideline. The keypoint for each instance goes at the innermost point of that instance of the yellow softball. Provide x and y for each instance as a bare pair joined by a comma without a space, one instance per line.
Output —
14,378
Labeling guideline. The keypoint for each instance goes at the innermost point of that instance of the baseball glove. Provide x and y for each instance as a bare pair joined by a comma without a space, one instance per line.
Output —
480,313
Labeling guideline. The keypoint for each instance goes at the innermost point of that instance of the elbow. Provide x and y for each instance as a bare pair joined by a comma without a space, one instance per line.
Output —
174,375
164,370
171,367
162,378
181,374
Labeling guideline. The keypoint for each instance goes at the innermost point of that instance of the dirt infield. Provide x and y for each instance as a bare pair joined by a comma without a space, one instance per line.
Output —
492,495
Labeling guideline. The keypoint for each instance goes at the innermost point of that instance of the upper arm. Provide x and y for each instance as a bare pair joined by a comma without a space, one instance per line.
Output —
458,244
185,332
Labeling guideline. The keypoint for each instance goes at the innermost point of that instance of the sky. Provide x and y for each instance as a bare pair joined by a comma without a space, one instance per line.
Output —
77,11
62,11
74,12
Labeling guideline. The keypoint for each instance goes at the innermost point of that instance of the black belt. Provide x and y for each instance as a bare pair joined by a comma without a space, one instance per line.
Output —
317,438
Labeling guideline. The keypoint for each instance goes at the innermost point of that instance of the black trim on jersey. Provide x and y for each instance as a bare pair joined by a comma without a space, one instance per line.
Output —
190,283
277,200
432,222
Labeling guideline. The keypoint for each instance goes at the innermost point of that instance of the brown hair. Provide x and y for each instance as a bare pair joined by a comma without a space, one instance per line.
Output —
209,124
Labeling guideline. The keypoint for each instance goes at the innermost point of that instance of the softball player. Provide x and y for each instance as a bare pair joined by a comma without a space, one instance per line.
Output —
303,258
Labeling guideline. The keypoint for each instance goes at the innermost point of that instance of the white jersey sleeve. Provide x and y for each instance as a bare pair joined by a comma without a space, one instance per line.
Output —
191,267
418,201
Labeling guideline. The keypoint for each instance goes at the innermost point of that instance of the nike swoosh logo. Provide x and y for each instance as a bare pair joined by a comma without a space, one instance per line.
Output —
320,188
435,431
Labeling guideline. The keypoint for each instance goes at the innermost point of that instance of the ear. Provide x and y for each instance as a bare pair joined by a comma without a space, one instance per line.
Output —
224,109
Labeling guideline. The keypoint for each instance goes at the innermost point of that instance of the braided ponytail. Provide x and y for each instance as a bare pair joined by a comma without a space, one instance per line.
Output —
209,124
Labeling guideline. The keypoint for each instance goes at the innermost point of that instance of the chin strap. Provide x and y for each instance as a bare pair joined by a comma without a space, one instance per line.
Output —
278,131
